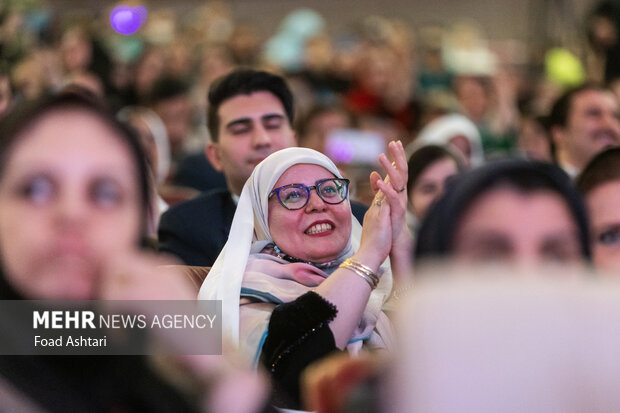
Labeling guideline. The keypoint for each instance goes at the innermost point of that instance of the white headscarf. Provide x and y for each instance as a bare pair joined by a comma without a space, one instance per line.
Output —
444,128
249,233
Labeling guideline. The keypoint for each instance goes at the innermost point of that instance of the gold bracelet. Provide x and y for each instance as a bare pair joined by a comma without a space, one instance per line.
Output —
361,274
365,268
369,272
363,271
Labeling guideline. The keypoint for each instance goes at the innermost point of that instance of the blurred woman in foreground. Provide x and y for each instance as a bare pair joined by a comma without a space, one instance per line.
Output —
74,202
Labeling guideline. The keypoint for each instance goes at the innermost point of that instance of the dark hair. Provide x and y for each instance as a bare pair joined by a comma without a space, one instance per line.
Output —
426,155
602,168
245,82
562,106
24,115
167,87
438,229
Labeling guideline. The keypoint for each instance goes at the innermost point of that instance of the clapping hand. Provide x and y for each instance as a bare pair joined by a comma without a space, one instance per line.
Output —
393,191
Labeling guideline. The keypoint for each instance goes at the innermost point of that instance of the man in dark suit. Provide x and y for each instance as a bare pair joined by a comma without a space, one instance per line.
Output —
250,116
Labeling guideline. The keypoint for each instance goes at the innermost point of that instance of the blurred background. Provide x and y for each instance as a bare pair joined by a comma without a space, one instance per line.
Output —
535,20
384,69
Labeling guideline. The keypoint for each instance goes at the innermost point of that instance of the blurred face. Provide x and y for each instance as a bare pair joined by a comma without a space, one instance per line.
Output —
472,97
149,68
329,121
604,208
604,31
320,127
216,62
176,114
521,228
69,200
377,69
252,127
317,232
593,124
430,185
76,51
533,140
148,142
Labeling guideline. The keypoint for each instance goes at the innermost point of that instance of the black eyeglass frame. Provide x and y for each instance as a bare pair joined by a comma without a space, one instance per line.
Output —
317,184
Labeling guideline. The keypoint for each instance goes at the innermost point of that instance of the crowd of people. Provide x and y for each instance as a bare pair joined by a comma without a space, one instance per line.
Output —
313,188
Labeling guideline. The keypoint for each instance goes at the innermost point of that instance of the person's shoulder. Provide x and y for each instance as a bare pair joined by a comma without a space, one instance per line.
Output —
215,199
195,171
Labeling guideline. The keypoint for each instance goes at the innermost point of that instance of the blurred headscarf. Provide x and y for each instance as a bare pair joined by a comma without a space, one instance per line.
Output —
442,130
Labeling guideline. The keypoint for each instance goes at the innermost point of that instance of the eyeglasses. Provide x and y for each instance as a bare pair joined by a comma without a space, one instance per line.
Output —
295,196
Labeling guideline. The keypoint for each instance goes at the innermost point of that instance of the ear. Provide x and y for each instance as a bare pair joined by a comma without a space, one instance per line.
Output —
295,140
213,155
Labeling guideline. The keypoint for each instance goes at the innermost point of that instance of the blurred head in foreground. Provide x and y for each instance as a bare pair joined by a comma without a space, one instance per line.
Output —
74,191
513,211
509,345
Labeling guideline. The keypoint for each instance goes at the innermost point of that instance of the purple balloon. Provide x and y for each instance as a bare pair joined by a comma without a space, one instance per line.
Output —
141,12
125,20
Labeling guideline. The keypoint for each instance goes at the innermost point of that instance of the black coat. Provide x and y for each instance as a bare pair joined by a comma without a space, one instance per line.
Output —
80,383
196,230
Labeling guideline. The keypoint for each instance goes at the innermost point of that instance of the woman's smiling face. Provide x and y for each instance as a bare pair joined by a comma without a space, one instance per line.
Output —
319,231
